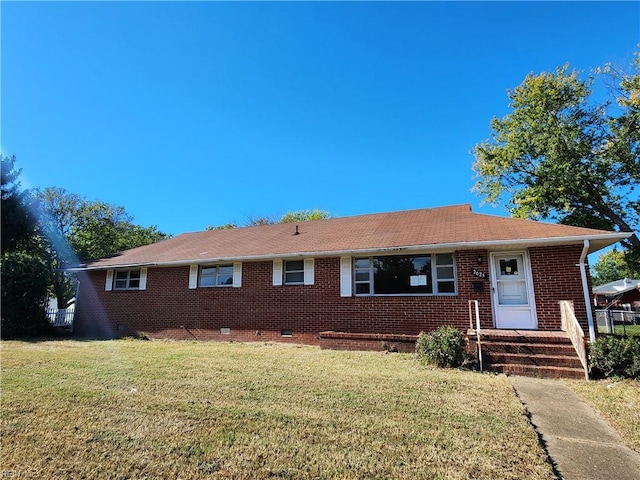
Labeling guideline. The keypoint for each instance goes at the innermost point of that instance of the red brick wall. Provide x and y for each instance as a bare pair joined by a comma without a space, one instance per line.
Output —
260,311
556,277
366,341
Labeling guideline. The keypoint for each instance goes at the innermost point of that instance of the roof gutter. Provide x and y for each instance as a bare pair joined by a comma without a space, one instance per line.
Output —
585,290
515,243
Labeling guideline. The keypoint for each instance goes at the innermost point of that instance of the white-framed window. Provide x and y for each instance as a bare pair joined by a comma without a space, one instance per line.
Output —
216,276
127,280
220,275
445,273
362,275
131,279
293,272
405,275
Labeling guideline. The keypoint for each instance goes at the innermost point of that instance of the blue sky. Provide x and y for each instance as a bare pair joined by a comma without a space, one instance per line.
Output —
191,114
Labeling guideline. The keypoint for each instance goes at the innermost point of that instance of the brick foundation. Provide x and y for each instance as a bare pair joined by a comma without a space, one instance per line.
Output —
368,341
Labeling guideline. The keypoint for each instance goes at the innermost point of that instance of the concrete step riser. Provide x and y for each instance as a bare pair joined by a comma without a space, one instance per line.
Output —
528,348
523,339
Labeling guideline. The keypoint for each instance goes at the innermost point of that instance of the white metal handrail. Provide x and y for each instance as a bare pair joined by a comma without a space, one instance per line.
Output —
474,308
571,325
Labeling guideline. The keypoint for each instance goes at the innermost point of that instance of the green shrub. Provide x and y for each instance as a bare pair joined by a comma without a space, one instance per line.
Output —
444,347
615,357
23,296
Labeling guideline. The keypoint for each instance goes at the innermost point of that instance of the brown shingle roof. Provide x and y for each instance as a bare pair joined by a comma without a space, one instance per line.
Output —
424,229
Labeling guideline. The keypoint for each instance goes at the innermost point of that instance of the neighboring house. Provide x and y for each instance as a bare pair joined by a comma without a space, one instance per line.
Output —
366,278
618,293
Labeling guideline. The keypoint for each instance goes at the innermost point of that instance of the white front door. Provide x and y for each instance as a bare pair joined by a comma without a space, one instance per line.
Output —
513,303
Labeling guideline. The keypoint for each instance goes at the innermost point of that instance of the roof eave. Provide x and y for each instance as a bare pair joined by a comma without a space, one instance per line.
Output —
596,242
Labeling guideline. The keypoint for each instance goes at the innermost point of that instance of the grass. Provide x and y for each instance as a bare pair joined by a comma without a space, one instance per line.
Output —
187,410
616,401
628,330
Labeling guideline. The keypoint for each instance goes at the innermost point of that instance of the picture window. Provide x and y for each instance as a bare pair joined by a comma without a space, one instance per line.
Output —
405,275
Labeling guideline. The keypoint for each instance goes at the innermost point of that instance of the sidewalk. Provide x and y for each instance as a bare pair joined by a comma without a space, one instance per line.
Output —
581,445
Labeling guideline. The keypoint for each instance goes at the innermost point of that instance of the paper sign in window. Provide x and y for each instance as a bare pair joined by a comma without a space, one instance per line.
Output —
509,267
418,280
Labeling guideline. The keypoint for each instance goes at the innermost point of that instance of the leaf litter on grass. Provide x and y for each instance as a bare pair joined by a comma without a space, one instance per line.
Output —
133,409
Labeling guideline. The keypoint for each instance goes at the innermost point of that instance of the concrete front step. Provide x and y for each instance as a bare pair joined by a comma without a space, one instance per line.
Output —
529,353
529,348
571,361
520,336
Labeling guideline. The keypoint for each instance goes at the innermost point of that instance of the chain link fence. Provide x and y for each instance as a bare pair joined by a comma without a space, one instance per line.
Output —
618,322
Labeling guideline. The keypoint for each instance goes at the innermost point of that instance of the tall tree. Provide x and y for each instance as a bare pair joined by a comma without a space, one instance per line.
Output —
226,226
612,266
561,155
73,229
18,222
24,275
23,295
101,229
304,215
56,220
291,216
257,221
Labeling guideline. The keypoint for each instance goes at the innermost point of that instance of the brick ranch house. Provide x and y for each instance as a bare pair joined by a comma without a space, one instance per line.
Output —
351,282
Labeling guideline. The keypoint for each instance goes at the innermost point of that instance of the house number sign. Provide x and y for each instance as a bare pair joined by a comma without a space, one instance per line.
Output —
478,273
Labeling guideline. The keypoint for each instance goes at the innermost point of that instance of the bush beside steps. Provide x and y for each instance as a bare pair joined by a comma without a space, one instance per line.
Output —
615,357
445,347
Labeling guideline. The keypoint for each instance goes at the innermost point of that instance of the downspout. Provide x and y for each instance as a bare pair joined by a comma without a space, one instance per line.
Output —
585,290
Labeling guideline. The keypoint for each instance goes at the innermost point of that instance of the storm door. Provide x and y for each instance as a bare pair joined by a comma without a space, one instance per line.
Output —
512,292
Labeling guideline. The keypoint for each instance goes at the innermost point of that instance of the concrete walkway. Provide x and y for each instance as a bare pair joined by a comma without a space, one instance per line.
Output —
581,445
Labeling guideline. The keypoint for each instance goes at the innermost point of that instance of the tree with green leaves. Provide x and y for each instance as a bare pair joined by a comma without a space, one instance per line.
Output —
18,222
24,295
561,155
44,231
101,229
73,229
226,226
292,216
262,220
304,216
612,266
24,274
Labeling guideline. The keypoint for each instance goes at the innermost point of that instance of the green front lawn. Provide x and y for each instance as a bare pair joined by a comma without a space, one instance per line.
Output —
628,330
136,409
617,401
